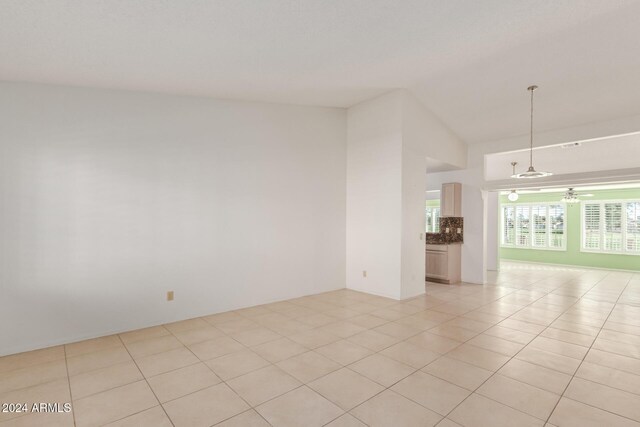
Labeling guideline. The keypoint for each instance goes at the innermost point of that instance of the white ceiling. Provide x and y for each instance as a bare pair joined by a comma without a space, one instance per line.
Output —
605,154
468,61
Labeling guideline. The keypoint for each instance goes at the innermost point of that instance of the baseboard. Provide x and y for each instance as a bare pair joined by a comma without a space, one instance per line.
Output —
440,281
378,294
584,267
155,322
417,294
74,339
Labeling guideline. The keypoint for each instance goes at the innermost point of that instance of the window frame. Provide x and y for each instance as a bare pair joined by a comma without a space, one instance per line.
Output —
602,227
548,228
435,221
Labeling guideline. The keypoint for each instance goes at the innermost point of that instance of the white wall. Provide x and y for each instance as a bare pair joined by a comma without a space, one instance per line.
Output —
111,198
374,183
425,133
493,216
423,136
413,223
389,141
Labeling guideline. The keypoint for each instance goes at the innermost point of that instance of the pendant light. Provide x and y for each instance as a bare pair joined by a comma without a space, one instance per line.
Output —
531,172
513,196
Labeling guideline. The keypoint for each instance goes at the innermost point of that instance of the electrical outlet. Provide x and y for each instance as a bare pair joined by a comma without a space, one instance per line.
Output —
364,273
170,296
459,230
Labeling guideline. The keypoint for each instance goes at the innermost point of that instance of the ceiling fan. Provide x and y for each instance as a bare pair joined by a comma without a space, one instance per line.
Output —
571,196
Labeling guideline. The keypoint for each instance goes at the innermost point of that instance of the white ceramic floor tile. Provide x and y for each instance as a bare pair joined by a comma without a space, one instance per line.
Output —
446,353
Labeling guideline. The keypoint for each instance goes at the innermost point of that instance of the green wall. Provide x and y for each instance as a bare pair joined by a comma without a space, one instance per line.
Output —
573,256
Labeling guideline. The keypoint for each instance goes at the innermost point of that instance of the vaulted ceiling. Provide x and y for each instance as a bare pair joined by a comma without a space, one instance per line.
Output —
468,61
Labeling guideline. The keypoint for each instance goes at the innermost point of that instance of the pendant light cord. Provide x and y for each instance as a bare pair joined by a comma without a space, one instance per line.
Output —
531,172
531,88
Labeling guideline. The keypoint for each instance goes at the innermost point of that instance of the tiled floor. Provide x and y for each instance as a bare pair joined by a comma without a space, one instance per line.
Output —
539,346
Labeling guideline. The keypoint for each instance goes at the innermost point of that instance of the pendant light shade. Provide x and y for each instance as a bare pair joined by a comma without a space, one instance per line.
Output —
531,172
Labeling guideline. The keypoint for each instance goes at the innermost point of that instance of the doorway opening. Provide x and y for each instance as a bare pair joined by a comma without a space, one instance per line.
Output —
588,226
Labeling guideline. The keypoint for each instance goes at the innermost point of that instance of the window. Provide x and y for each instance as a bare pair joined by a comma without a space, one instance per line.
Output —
633,227
539,222
533,226
611,227
508,225
433,219
556,221
591,226
522,226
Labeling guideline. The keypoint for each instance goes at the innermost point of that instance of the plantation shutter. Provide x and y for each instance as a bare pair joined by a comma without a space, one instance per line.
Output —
633,227
556,226
539,221
533,226
508,225
613,227
523,235
591,226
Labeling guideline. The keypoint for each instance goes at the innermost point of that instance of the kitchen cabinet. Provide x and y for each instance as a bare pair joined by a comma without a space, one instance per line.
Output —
451,199
443,263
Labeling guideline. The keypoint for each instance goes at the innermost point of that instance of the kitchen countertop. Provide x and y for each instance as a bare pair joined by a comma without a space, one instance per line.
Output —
454,236
442,243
